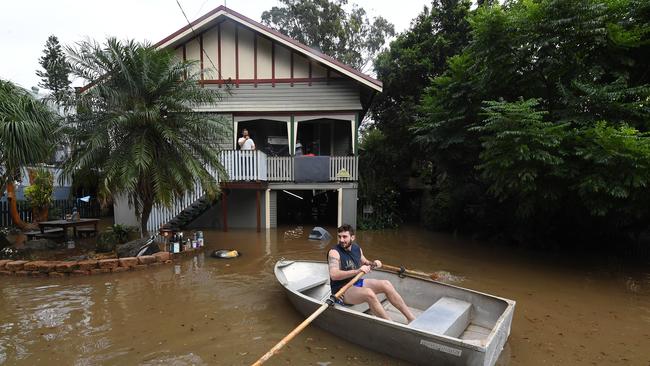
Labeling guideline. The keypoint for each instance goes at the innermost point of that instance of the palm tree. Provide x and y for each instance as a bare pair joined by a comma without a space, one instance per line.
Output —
136,127
27,136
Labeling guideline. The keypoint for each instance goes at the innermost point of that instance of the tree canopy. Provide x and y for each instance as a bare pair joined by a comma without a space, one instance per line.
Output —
406,69
56,70
536,126
27,131
350,37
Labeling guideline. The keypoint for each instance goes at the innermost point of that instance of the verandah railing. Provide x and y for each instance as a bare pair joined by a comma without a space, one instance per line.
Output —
245,165
341,168
344,168
280,168
257,166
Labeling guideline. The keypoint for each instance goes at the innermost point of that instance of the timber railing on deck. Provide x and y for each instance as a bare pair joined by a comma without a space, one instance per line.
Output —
341,168
344,168
244,165
257,166
280,168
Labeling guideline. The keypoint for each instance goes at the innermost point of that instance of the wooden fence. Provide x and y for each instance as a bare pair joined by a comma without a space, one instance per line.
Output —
58,209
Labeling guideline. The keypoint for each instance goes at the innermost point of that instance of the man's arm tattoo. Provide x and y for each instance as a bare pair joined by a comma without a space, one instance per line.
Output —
333,262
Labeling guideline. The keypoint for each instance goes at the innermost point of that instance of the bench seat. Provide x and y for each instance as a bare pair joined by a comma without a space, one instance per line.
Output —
306,283
447,316
48,232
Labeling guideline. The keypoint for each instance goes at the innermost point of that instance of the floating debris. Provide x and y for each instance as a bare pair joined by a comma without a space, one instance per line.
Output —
225,254
295,233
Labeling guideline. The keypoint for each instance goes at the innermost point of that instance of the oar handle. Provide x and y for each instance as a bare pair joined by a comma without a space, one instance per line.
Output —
400,270
305,323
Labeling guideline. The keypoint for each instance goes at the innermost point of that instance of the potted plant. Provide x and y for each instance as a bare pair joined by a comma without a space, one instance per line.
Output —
39,193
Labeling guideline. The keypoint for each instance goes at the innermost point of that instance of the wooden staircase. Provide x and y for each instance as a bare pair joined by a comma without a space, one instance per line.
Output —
189,214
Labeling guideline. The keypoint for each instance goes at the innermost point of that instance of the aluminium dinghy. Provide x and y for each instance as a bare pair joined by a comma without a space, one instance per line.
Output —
453,325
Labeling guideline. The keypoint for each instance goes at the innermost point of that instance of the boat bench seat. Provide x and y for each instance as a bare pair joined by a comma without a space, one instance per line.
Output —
307,283
447,316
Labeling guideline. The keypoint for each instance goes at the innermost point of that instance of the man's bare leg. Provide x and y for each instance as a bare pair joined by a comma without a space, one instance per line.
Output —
357,295
384,286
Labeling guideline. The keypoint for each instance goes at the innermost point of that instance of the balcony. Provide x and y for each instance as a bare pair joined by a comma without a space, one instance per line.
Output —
257,166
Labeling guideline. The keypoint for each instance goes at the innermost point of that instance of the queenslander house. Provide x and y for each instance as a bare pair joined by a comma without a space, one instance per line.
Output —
302,109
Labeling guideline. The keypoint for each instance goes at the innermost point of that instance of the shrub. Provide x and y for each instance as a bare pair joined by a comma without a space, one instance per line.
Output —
39,193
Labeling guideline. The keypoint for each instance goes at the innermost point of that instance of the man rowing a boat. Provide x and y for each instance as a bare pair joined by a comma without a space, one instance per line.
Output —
345,261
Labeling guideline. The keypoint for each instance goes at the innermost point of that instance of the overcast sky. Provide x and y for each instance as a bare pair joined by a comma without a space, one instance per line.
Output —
26,24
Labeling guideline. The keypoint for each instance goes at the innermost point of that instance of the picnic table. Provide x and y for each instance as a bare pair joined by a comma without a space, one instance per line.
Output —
65,224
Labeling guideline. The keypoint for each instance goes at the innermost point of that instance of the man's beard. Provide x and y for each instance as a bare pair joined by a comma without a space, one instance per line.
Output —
345,246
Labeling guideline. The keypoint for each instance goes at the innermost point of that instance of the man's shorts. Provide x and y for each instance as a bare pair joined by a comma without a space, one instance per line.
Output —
359,283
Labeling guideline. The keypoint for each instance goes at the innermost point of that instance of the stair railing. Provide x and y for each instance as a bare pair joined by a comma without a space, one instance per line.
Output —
249,165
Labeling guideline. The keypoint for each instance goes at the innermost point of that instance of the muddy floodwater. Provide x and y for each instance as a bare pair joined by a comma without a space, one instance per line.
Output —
205,311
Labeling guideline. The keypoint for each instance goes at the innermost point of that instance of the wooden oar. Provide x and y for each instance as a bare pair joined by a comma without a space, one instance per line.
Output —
306,322
400,270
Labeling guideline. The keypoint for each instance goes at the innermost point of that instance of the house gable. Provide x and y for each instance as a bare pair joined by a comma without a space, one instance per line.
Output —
231,48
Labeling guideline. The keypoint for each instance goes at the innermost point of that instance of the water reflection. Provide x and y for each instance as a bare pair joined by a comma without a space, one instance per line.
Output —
45,313
202,310
181,360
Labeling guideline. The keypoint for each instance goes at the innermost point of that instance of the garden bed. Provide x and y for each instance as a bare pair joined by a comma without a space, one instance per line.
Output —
86,267
83,256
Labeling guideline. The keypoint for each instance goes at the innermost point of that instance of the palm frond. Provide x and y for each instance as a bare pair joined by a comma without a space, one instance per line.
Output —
28,129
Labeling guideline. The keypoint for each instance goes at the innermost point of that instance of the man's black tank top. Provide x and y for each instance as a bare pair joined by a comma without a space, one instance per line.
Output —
349,260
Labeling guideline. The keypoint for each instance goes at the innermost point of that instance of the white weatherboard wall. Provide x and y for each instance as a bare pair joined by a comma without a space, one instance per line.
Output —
321,96
123,213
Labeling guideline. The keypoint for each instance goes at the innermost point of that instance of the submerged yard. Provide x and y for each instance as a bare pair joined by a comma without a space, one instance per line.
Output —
202,310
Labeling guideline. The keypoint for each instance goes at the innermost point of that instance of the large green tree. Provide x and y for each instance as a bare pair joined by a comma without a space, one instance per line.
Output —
136,125
28,134
56,70
414,58
406,69
541,123
351,38
417,56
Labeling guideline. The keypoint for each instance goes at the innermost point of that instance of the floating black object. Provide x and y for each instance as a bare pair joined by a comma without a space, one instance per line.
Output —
318,233
225,254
